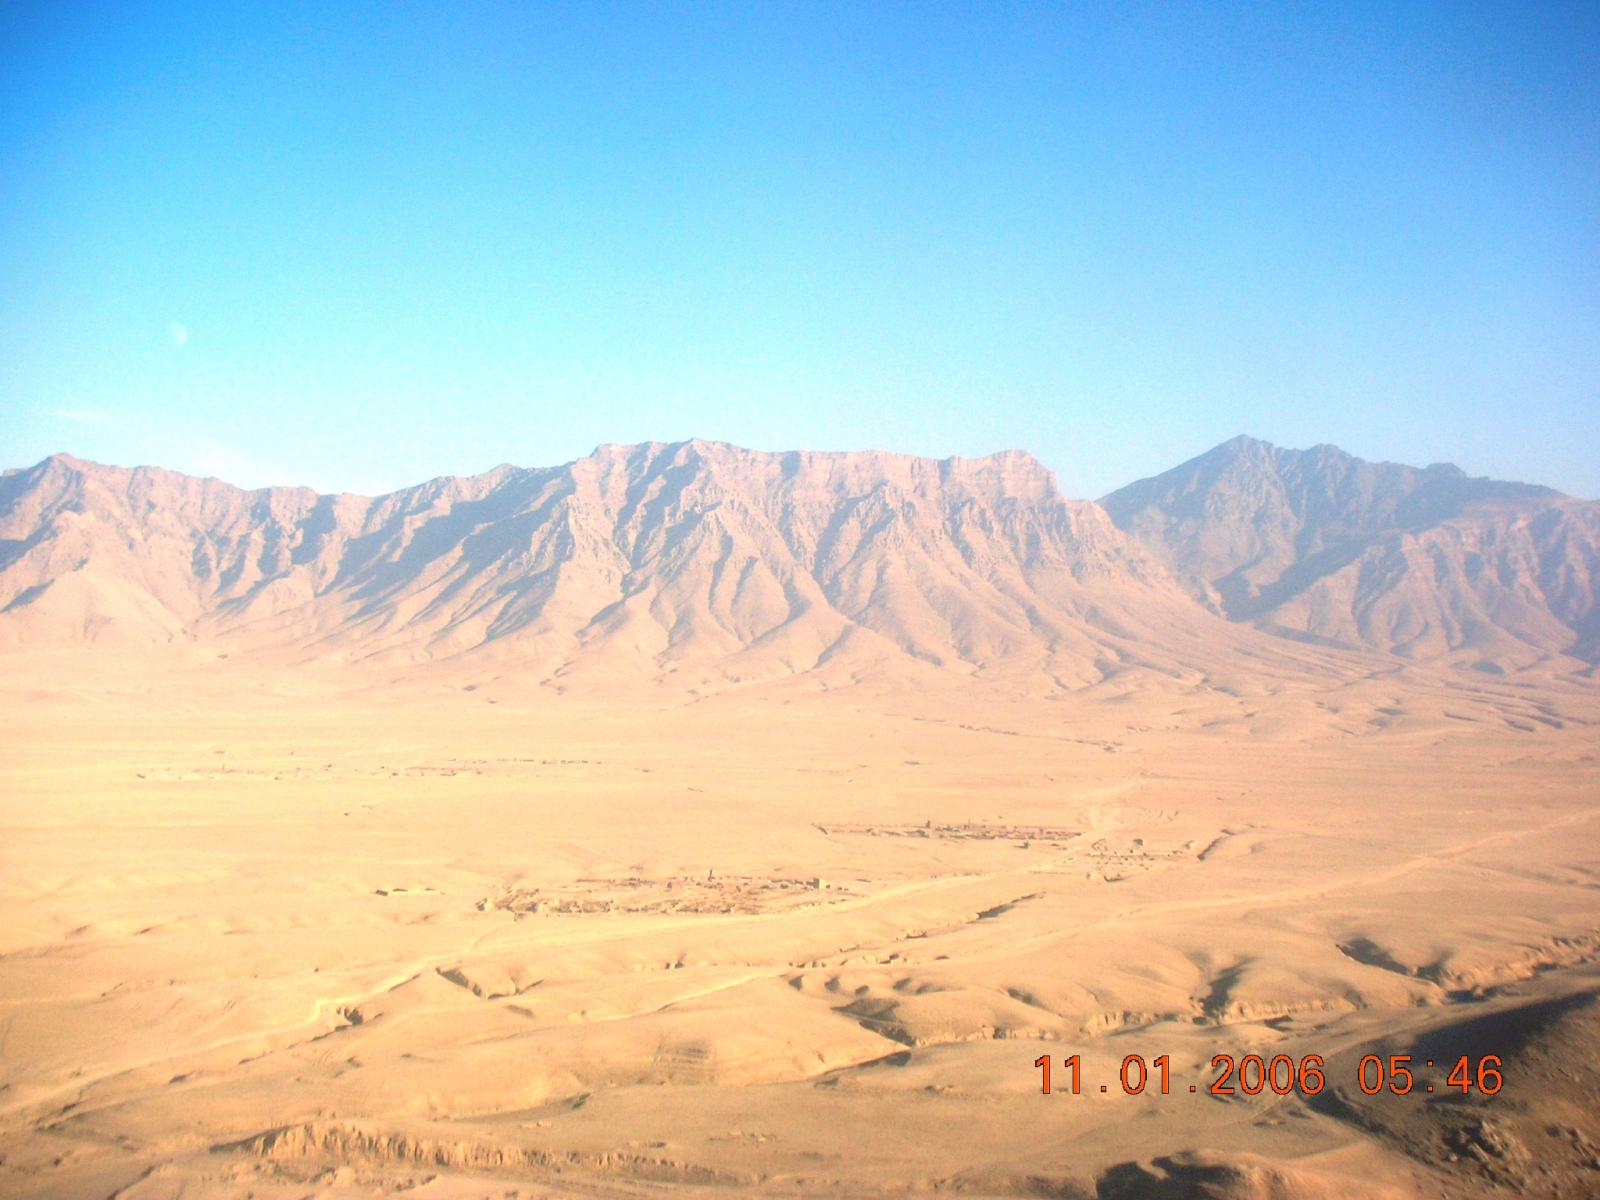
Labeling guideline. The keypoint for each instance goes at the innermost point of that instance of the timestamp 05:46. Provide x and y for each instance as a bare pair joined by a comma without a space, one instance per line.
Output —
1279,1074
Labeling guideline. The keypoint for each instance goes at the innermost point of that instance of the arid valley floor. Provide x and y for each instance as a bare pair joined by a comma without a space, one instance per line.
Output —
275,933
789,601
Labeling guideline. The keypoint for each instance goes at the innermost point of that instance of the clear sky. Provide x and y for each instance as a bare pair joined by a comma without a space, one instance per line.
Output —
356,246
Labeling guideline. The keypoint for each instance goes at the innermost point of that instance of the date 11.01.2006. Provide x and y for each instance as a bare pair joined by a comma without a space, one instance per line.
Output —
1253,1075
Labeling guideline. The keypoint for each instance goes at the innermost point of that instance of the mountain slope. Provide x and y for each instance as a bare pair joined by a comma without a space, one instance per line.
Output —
1320,545
704,561
635,561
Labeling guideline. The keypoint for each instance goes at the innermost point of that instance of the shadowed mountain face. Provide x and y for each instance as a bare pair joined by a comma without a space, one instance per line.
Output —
646,561
638,560
1318,545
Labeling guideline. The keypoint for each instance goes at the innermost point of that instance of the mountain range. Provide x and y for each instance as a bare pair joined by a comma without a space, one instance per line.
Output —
1319,545
705,561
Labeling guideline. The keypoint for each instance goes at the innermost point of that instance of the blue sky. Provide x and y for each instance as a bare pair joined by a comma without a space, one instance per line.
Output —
356,247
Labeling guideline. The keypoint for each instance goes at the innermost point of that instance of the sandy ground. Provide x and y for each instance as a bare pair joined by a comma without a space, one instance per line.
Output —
273,933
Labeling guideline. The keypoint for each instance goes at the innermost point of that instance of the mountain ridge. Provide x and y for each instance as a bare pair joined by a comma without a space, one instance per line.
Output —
706,559
1321,545
675,553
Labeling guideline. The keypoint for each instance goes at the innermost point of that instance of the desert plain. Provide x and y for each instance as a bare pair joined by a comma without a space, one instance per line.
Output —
691,821
267,934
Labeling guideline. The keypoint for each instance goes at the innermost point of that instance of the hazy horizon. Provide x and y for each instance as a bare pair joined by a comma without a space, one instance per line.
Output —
870,450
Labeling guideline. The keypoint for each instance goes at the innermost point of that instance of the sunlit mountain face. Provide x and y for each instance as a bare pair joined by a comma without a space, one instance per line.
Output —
690,821
646,560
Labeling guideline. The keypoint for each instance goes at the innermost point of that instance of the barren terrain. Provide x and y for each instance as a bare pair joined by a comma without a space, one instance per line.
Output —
286,933
693,820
